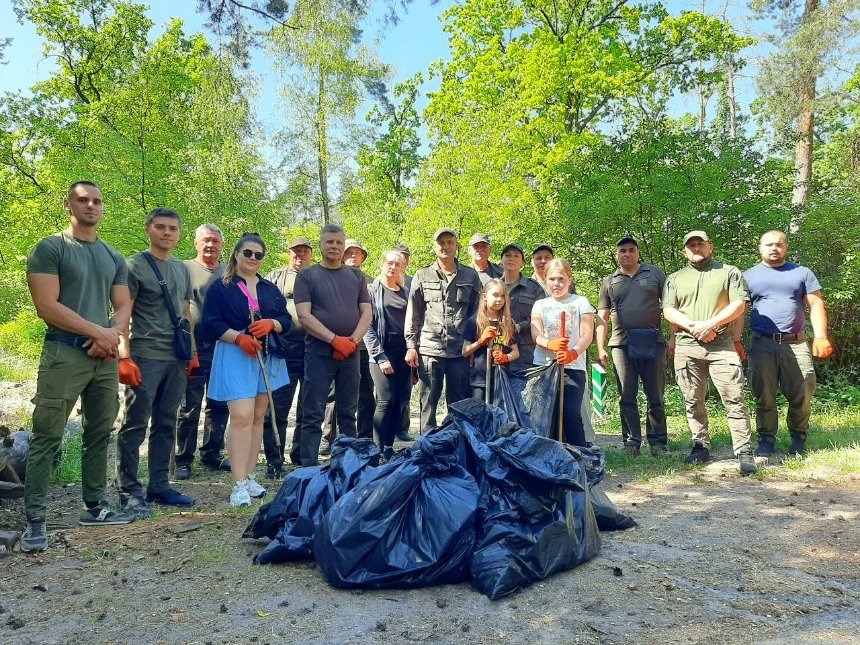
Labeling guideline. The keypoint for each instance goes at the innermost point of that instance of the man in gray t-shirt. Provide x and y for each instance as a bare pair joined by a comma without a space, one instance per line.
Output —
204,269
630,300
333,306
148,366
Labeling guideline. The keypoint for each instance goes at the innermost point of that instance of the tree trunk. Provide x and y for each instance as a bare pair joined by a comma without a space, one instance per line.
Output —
322,151
805,125
730,96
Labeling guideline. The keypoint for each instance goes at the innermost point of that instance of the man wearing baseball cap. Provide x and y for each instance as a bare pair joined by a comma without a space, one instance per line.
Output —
630,300
701,301
480,250
301,256
444,296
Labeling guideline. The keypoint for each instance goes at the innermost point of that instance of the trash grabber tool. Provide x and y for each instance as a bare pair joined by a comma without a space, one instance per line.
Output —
488,375
561,383
268,385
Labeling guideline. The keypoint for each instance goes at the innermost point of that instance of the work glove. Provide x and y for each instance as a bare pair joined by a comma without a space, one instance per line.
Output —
487,336
822,348
260,328
129,372
336,355
739,348
248,344
342,345
500,358
193,364
566,356
557,344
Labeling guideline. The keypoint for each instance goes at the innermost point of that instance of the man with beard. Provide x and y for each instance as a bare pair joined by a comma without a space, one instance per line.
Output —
779,356
702,300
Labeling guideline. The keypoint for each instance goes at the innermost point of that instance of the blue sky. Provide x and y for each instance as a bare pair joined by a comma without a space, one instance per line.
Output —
408,47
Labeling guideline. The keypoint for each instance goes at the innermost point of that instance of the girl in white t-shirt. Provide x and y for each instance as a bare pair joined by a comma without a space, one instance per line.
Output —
568,348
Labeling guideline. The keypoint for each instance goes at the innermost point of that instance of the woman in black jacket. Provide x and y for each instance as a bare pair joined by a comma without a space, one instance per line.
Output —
386,345
244,313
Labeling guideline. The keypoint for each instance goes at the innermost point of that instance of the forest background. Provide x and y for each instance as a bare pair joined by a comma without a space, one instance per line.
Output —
560,121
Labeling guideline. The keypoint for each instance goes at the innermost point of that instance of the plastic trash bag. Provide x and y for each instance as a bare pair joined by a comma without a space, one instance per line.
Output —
538,519
304,498
410,524
609,516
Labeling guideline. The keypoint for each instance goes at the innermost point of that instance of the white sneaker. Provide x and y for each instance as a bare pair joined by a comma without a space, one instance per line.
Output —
253,488
240,496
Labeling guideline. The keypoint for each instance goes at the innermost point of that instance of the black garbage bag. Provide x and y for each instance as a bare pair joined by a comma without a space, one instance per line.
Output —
538,519
409,524
529,397
609,516
305,497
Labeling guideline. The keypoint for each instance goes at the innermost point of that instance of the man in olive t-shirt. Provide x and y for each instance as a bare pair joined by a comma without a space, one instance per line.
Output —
701,300
149,367
74,278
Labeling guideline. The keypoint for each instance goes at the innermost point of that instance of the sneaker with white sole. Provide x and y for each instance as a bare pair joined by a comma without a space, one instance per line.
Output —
35,537
253,488
240,496
104,515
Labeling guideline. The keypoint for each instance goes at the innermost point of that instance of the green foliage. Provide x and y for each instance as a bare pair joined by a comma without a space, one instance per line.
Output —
67,467
23,335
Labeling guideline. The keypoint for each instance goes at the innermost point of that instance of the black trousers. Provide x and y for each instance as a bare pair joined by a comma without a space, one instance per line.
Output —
188,418
283,399
366,404
652,373
433,372
392,392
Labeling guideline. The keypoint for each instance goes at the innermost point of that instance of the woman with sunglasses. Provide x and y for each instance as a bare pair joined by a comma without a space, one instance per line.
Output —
241,313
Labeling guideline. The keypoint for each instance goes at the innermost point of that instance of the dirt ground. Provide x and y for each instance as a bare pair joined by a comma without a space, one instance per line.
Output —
715,559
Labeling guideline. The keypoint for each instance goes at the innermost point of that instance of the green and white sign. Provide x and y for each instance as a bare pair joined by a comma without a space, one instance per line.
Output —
598,389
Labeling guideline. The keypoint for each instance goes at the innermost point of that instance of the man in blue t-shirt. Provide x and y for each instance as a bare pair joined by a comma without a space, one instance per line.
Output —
779,355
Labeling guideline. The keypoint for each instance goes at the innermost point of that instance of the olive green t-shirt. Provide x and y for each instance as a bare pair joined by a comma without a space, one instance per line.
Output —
87,271
151,328
201,278
702,293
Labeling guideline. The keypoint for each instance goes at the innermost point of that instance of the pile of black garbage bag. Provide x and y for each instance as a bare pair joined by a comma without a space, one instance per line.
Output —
478,499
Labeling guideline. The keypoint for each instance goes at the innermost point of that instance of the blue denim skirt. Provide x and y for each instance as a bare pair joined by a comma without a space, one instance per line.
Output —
235,375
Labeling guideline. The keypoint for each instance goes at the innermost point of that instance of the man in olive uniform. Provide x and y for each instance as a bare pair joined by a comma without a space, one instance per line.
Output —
522,294
702,300
480,250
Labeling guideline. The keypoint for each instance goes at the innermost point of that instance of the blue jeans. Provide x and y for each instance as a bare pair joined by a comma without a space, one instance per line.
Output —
157,399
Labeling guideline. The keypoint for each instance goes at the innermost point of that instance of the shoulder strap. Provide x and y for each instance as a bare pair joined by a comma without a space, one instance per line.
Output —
163,284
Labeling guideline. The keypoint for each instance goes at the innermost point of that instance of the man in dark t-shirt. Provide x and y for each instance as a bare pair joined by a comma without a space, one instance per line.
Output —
74,279
630,301
779,356
333,306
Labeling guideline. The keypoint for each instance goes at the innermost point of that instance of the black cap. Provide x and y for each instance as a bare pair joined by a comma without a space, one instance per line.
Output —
543,247
627,240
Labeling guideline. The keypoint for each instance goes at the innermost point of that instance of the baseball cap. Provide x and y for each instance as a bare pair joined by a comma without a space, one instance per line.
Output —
350,243
514,245
479,237
441,231
543,247
300,241
402,248
627,240
689,236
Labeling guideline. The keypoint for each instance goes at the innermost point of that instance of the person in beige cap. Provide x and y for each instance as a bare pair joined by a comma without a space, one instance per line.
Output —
301,256
701,301
480,250
443,297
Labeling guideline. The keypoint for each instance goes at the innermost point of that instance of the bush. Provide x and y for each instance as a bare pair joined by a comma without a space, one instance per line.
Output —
22,336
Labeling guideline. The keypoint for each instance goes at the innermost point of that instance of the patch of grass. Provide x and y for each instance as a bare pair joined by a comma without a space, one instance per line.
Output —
67,467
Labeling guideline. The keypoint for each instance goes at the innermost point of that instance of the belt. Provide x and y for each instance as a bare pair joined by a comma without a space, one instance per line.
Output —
780,337
66,339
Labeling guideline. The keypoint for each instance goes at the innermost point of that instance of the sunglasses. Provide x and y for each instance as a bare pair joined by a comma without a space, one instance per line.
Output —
257,255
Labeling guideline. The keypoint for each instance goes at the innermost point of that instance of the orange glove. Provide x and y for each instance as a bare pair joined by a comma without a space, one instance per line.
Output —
487,336
342,345
822,348
742,353
248,344
557,344
336,355
129,372
193,364
500,358
260,328
566,356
